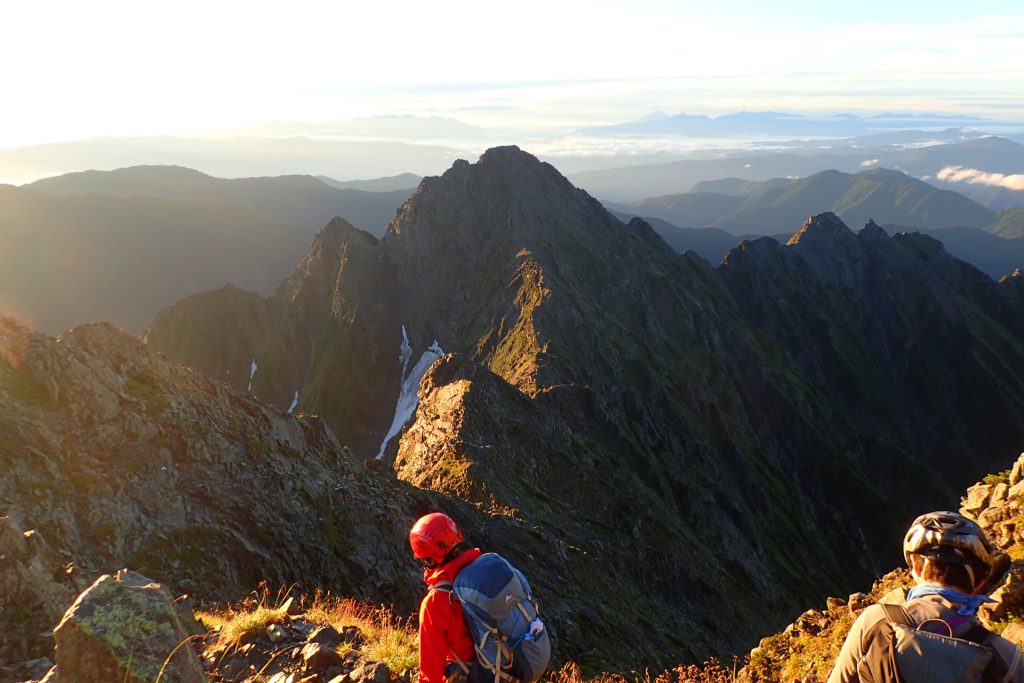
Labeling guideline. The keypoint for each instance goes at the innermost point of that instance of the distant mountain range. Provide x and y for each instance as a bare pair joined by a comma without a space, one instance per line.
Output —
296,199
744,207
735,209
231,157
987,155
120,245
780,124
149,235
402,181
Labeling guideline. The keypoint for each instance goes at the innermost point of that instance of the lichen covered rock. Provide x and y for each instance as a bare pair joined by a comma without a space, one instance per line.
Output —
126,628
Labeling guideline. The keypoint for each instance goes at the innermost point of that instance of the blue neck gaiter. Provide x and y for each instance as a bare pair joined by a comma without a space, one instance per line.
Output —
969,604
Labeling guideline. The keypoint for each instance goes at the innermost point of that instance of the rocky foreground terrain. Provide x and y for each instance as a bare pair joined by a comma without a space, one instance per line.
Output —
126,627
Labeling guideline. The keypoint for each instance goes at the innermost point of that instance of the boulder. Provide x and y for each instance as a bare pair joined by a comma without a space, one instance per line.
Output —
371,672
976,499
859,601
1017,470
1016,491
317,656
834,604
276,633
1009,600
989,516
126,628
325,635
999,492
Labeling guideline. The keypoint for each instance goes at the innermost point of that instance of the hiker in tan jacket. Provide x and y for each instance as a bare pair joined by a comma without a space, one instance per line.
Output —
950,558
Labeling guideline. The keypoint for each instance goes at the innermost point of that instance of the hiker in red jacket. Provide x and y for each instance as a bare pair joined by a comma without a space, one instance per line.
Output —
446,647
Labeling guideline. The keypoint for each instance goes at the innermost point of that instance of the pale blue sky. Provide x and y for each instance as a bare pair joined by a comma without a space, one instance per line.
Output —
76,70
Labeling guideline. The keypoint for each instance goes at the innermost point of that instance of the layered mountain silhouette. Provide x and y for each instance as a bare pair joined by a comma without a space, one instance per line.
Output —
738,209
921,158
294,200
690,436
1009,224
773,206
120,245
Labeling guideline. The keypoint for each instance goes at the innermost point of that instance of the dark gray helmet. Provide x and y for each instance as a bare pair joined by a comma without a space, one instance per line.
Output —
948,537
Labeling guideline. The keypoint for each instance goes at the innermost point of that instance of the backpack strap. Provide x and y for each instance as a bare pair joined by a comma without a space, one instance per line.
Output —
897,614
445,587
877,661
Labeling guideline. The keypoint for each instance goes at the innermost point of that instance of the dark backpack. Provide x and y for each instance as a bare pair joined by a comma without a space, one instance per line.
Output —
896,650
511,641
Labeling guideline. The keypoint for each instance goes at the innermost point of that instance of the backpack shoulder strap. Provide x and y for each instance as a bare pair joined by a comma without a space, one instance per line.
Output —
445,587
897,614
876,661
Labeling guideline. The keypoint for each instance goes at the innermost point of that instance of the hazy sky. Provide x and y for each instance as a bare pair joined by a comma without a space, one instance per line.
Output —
74,69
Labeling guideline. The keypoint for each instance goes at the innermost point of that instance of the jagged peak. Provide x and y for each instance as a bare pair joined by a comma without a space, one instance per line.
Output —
340,229
103,335
507,154
644,229
751,249
872,232
822,227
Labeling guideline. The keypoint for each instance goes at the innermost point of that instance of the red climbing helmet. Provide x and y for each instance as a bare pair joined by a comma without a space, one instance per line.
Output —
433,536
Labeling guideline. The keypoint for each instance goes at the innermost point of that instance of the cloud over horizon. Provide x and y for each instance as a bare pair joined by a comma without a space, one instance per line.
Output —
974,176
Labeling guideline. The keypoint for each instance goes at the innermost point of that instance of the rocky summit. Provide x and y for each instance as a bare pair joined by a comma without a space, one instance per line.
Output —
678,438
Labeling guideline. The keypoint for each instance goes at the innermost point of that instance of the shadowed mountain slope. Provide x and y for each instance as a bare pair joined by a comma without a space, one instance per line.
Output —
675,424
1008,224
121,245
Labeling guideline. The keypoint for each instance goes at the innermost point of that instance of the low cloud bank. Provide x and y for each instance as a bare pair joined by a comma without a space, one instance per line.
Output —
959,174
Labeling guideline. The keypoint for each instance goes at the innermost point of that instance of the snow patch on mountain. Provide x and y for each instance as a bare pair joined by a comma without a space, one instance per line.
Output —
408,397
252,373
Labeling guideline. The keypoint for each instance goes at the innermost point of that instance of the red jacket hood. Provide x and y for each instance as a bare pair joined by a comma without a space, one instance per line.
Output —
448,572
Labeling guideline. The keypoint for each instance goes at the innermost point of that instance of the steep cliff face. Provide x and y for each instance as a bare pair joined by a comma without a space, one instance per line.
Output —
328,336
682,437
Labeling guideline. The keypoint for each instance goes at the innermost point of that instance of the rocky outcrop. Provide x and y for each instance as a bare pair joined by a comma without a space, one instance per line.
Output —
126,459
118,458
127,628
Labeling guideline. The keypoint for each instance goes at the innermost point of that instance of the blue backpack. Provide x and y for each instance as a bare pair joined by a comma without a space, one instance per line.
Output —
503,617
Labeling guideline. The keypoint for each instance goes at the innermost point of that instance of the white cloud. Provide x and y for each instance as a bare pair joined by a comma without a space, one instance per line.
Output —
869,162
973,176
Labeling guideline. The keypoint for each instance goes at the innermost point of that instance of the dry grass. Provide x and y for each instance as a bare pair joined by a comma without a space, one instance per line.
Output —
249,618
712,671
385,637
